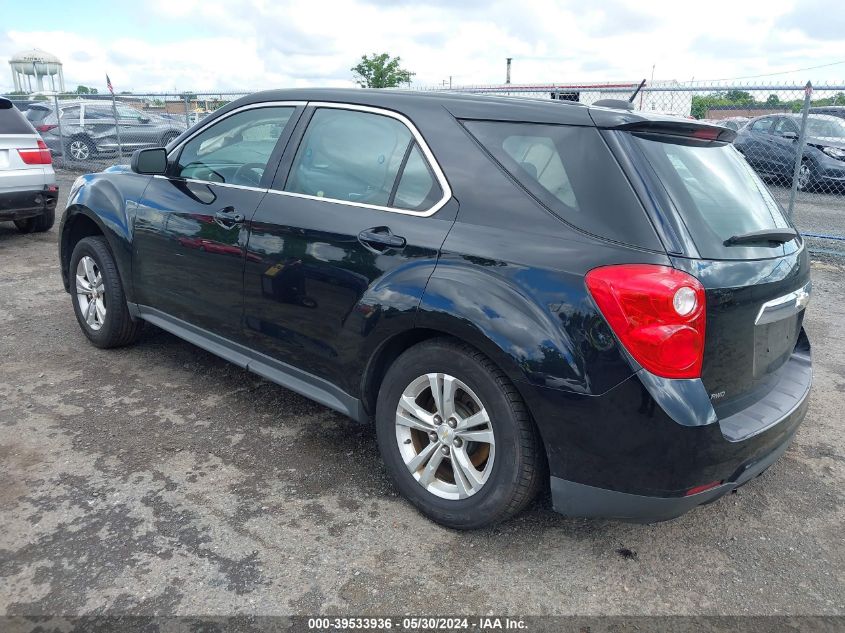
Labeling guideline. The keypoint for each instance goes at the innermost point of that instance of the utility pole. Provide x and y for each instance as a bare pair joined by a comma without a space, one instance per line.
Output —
508,74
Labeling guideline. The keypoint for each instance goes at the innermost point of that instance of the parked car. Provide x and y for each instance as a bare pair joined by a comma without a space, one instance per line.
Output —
517,292
28,191
88,128
837,111
770,145
732,123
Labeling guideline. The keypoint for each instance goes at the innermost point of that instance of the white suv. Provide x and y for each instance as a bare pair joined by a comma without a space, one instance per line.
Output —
28,190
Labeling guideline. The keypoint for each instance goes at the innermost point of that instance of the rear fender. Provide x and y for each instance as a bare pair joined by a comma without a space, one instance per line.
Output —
545,343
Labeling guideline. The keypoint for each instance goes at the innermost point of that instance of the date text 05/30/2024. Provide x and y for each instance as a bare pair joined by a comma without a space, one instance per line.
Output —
408,623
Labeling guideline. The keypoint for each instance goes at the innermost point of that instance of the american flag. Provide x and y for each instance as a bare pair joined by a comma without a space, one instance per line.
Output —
108,85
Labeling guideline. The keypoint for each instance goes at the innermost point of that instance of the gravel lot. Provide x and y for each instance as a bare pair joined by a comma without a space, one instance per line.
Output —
159,479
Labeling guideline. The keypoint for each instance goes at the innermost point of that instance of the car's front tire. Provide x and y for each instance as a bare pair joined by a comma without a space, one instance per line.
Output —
806,176
97,294
37,224
456,436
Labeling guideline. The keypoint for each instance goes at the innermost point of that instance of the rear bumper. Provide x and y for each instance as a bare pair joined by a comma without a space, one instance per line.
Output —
580,500
17,205
635,452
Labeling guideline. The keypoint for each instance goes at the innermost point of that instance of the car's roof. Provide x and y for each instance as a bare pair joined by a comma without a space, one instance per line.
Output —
816,116
465,105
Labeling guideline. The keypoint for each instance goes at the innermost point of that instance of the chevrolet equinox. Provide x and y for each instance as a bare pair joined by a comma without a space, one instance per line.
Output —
519,293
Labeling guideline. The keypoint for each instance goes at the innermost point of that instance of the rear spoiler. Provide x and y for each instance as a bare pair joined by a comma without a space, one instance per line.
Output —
687,129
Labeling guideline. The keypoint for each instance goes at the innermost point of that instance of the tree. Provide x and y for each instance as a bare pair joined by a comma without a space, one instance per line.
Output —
773,100
380,71
738,96
85,90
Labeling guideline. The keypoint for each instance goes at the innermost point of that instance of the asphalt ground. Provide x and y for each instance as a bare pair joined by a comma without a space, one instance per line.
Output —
158,479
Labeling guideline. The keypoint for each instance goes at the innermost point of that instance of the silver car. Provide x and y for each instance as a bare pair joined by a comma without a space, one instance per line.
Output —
28,190
86,129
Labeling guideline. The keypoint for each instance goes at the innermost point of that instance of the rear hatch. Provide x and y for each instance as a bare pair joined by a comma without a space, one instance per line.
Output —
24,159
723,226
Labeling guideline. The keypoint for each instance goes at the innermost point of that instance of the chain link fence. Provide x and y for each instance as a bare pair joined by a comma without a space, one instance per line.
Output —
91,132
793,136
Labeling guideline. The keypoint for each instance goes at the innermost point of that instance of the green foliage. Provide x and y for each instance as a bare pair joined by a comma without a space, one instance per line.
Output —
739,97
85,90
380,71
701,104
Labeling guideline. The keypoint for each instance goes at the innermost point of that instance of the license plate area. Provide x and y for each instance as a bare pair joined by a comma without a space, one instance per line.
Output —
773,344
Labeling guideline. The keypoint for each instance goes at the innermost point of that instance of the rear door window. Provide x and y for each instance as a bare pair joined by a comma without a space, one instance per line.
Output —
71,115
716,192
93,113
417,188
350,156
571,171
12,121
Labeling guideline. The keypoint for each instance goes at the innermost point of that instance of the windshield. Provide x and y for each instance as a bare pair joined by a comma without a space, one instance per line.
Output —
825,126
715,191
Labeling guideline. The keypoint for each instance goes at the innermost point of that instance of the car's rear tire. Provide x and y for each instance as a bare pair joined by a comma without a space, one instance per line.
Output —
99,302
468,464
80,149
37,224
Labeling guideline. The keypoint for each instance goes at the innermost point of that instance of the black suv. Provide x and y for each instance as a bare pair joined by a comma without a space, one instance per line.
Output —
513,290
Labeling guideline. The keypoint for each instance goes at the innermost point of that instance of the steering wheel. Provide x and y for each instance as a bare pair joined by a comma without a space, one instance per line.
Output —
249,173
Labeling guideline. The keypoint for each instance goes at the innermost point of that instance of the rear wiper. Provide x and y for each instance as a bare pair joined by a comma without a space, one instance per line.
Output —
777,236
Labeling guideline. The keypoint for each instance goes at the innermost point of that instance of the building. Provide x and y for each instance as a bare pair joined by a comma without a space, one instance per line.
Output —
30,68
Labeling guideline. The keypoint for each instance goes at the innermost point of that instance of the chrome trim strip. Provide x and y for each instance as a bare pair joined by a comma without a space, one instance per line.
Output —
785,306
435,167
429,156
211,182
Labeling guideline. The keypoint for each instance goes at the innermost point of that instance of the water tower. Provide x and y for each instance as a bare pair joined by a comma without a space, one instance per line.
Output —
36,64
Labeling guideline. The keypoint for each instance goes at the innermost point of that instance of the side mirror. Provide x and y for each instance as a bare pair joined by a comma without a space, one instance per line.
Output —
792,136
152,160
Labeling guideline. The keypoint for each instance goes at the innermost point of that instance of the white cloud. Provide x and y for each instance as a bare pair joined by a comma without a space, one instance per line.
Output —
257,44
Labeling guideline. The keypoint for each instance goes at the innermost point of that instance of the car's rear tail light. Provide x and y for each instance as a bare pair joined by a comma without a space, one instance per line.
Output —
36,156
657,312
702,488
46,127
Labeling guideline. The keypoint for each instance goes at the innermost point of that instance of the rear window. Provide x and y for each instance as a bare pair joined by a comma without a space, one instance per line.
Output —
36,115
715,191
12,121
572,172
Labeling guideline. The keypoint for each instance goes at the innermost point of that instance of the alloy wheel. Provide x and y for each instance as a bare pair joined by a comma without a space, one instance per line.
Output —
445,436
803,176
79,150
91,292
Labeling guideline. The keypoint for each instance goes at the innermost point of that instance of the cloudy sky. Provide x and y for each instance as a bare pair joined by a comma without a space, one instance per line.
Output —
254,44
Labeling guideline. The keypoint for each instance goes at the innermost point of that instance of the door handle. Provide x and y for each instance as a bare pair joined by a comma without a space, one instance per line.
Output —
228,217
380,238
